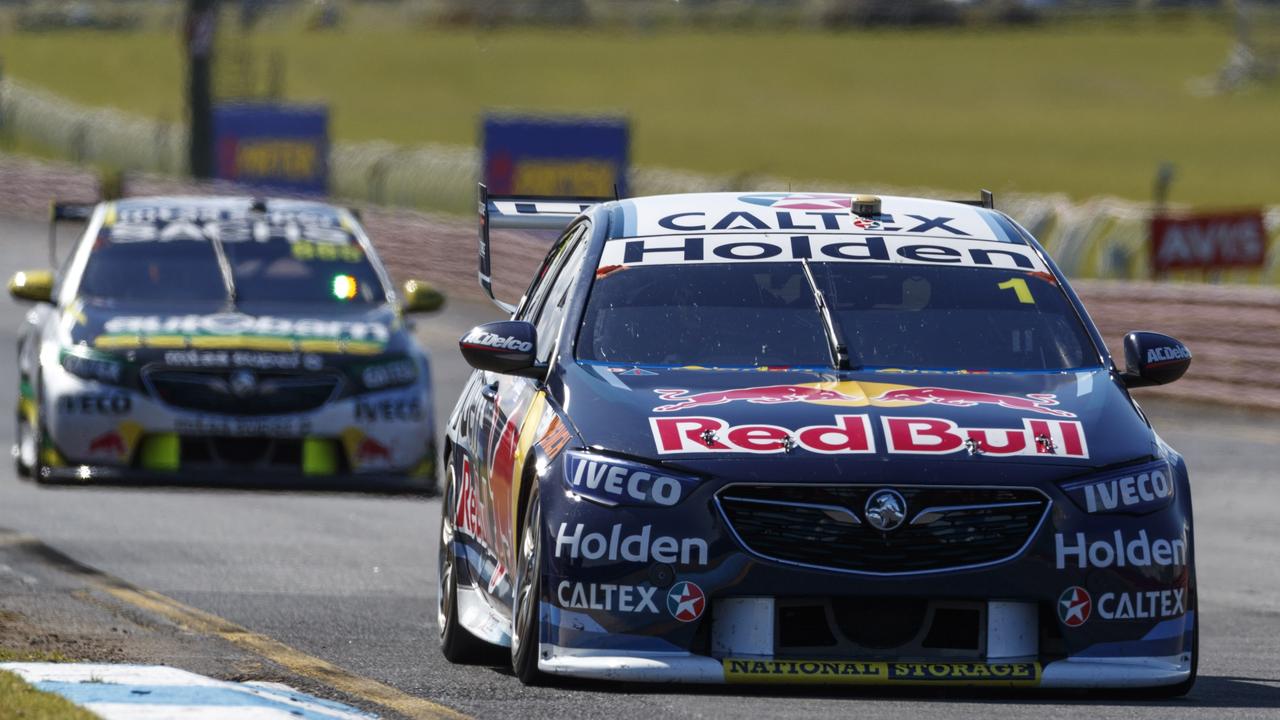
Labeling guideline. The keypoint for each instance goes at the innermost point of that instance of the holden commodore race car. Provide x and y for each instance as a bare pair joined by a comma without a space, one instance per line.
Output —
223,341
810,438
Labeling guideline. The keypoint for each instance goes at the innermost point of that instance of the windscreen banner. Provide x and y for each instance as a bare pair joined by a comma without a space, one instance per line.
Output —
556,156
283,148
1208,240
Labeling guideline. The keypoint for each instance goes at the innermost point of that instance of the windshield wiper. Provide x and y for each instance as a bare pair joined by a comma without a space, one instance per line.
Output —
839,351
224,266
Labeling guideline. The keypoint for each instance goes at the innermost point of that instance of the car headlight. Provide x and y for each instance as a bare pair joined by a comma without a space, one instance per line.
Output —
92,366
1133,490
611,481
395,373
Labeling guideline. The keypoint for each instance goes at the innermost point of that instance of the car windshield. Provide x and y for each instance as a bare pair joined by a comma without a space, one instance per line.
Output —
274,267
889,316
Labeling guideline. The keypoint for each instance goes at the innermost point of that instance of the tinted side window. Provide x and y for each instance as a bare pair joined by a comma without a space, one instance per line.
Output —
542,283
551,314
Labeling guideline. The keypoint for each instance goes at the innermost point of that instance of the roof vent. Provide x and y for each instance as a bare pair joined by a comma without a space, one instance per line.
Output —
866,205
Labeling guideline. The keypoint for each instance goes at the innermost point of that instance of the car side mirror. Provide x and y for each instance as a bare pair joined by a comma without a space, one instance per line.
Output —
508,347
32,285
421,297
1153,359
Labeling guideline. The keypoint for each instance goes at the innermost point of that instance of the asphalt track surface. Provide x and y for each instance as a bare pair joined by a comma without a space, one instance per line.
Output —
350,578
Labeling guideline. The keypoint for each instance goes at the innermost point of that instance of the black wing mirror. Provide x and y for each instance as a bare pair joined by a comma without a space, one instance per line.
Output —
509,347
1153,359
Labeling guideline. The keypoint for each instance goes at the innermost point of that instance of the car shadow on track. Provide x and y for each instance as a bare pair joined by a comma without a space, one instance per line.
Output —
1209,692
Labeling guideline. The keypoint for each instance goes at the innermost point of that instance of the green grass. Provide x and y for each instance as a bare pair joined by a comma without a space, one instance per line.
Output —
11,655
20,701
1085,109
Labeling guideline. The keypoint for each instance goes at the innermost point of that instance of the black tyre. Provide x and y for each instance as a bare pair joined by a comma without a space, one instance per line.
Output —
456,642
1184,687
24,446
525,615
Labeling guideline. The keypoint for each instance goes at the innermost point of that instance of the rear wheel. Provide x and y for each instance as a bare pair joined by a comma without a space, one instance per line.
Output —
456,643
526,618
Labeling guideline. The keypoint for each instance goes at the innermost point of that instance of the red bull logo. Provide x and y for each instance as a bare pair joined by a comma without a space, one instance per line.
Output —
851,434
939,436
768,395
370,450
108,443
1035,402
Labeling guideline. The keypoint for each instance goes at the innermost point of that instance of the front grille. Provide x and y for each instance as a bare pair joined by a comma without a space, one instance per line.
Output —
213,391
825,526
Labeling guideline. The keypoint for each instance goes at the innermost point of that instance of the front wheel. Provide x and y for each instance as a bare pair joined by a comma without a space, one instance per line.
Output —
456,643
526,620
1184,687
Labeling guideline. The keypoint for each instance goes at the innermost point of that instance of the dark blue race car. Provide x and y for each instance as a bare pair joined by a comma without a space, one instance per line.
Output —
811,438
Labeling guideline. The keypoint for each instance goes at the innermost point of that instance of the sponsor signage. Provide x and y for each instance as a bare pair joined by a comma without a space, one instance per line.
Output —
576,543
556,156
399,372
242,426
1208,241
686,601
243,358
939,436
612,483
492,341
1167,353
273,146
1119,550
94,404
1076,606
700,249
841,672
1138,491
851,434
396,409
231,324
607,597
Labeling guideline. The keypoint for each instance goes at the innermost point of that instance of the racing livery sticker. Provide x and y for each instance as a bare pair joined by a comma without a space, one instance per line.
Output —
816,212
685,601
858,394
878,673
1074,606
851,434
737,248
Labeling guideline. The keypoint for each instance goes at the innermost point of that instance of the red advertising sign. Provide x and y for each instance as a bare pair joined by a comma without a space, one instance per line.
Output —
1208,241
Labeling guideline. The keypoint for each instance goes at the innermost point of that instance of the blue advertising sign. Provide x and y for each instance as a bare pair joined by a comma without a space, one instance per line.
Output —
271,146
574,156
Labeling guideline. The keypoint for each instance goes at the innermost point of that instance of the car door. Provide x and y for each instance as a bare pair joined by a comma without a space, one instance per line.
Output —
504,403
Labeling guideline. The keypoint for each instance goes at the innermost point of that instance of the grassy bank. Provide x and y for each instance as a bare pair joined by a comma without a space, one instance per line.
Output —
1085,109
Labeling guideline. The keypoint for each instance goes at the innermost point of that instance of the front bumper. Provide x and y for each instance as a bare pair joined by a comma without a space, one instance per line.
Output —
616,581
95,431
698,669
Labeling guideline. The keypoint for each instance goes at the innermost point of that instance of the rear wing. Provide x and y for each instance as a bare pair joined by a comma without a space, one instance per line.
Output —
522,212
65,212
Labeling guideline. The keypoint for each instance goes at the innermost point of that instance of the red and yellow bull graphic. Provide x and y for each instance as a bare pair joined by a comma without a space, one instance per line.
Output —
859,394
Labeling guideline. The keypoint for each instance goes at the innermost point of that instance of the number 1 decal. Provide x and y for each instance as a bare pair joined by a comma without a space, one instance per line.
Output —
1019,287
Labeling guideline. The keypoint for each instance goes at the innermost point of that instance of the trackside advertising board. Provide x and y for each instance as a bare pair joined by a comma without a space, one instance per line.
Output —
560,156
1208,240
284,148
